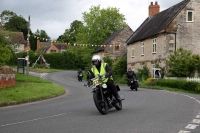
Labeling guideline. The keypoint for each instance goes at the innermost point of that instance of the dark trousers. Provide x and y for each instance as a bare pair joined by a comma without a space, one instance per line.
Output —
111,86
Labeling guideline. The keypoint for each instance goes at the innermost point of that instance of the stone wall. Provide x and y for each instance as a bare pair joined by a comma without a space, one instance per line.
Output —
7,77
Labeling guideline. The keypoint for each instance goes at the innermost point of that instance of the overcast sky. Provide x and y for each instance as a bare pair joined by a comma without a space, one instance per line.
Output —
54,16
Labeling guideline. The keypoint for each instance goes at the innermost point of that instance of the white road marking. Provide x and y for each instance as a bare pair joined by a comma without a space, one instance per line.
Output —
41,75
196,121
20,122
198,116
184,131
191,126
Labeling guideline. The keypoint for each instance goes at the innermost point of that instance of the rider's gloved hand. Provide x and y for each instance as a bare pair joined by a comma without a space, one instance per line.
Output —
107,75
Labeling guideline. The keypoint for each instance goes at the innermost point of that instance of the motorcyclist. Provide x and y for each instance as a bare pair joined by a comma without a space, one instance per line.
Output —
79,72
130,75
103,68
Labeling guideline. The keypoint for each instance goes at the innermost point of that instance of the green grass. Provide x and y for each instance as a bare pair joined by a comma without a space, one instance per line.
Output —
42,70
28,89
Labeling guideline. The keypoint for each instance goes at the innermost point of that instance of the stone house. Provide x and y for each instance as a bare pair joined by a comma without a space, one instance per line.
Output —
50,47
164,32
18,43
115,45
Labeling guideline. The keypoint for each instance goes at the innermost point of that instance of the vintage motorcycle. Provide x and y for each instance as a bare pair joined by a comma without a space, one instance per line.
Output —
102,96
133,84
80,77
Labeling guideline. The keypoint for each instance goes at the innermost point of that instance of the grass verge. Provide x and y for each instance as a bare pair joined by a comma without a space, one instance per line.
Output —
29,89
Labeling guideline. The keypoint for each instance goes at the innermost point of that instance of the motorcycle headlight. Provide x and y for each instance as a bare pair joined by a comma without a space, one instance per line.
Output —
104,85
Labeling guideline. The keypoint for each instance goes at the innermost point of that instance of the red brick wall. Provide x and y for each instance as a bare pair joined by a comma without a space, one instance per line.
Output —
7,77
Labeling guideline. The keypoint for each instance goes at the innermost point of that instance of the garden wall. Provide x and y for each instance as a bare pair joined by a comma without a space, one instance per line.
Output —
7,77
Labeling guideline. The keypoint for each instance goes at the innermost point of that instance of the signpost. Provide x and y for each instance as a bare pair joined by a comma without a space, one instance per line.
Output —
28,47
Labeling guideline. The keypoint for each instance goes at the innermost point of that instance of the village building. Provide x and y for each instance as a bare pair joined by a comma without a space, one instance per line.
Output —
50,47
115,45
164,32
18,43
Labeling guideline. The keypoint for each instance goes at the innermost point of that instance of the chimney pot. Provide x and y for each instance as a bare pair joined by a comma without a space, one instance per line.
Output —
154,9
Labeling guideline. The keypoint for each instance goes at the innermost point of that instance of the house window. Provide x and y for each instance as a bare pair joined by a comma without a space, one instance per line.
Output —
52,51
117,47
132,51
154,45
142,66
142,48
190,16
132,68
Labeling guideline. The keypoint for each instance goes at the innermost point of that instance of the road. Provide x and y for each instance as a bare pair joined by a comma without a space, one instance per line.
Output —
144,111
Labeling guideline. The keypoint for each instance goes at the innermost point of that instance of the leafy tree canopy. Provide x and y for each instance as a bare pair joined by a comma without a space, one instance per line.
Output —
99,24
70,34
11,22
42,34
5,50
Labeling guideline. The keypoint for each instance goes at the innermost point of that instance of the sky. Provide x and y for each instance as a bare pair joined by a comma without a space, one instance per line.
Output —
55,16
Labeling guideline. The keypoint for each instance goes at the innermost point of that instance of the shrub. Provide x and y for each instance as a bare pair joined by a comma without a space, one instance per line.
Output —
178,84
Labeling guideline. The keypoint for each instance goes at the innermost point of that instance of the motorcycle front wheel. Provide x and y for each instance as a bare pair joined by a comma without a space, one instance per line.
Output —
102,106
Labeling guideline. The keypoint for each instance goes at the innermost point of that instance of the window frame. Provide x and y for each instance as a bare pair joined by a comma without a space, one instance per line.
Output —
154,45
142,48
187,15
132,52
117,48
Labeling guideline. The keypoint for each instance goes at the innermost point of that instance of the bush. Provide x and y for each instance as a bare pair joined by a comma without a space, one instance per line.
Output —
179,84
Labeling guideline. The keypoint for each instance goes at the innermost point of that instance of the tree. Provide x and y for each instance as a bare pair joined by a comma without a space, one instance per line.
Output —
99,24
11,22
182,63
119,66
70,34
83,55
5,50
108,60
42,34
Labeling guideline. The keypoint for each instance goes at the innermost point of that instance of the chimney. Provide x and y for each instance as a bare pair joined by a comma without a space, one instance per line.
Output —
154,9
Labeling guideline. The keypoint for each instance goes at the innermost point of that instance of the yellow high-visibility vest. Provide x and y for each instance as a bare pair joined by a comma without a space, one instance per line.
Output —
102,71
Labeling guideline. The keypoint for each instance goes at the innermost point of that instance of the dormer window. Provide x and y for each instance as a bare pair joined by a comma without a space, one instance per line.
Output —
190,16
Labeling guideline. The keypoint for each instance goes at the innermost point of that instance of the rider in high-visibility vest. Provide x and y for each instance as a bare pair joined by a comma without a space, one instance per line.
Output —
103,68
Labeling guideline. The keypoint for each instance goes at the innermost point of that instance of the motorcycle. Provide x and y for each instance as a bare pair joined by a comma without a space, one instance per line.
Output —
102,96
133,84
80,77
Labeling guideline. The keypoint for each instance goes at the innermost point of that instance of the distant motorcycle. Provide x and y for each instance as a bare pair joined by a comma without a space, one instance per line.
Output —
133,84
102,96
80,77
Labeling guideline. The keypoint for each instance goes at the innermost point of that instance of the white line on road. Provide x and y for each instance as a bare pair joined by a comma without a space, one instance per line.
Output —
191,126
34,119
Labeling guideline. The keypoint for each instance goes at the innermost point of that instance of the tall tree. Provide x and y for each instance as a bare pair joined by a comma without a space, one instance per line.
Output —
11,22
99,24
70,34
42,34
5,50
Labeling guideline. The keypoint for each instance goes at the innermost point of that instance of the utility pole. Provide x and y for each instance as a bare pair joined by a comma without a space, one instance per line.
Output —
28,46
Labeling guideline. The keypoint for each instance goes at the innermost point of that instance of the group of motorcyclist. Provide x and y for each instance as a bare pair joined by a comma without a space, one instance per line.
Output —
99,67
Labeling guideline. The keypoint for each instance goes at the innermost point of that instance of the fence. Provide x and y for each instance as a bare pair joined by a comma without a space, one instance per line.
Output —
193,79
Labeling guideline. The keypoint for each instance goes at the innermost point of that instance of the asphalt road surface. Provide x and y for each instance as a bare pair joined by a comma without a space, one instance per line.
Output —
144,111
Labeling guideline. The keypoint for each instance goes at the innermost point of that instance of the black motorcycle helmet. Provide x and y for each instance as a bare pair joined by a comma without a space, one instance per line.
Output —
96,58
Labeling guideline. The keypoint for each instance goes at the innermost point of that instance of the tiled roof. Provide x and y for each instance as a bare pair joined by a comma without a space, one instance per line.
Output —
108,40
14,37
156,24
